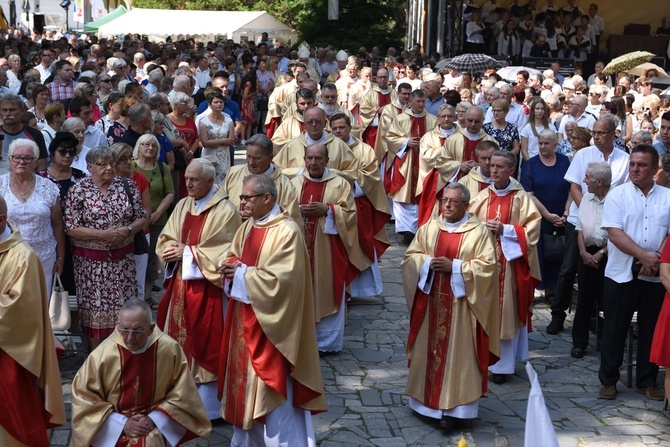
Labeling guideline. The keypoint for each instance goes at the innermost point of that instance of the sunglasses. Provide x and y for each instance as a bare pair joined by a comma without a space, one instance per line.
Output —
64,152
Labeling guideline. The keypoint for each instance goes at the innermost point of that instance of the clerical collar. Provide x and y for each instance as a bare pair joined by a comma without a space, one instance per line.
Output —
319,141
146,346
398,104
5,234
350,141
200,203
486,179
503,192
447,132
471,136
415,115
325,173
273,212
451,227
384,91
270,170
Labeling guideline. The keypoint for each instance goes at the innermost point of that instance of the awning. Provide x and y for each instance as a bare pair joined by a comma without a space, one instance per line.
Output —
92,27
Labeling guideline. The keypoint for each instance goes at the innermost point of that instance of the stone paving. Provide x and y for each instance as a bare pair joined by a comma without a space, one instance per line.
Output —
367,406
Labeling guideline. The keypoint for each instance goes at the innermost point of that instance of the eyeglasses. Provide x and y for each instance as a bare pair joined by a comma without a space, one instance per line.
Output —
450,201
124,159
106,81
312,122
595,133
244,198
104,165
18,159
497,110
64,152
149,145
124,331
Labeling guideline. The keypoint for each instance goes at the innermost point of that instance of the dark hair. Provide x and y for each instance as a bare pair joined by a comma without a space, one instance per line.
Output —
647,149
665,116
39,88
60,64
112,98
214,94
340,116
404,86
77,103
63,140
452,97
304,93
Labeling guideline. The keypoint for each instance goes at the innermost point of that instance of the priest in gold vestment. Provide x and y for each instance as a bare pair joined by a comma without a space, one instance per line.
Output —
508,211
32,398
294,124
197,234
450,278
371,104
259,161
331,234
270,376
479,178
136,389
372,208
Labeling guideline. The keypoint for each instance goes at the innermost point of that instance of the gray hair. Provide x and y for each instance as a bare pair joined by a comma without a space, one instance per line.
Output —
465,194
143,139
177,98
510,157
24,142
261,141
9,97
601,171
645,137
13,57
180,82
84,89
610,121
134,304
463,106
138,111
207,169
98,153
155,76
446,107
263,184
548,133
119,148
71,123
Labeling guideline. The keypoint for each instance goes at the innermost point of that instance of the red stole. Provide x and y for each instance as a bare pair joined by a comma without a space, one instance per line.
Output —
343,271
427,199
383,99
417,130
272,126
438,304
22,411
374,221
370,135
303,127
191,310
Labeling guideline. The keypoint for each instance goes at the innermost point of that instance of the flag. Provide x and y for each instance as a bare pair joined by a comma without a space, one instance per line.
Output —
539,429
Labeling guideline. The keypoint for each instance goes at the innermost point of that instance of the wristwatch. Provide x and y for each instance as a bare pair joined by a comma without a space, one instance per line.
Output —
602,251
130,229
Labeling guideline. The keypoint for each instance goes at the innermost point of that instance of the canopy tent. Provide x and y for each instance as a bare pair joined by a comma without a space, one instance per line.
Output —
236,25
116,13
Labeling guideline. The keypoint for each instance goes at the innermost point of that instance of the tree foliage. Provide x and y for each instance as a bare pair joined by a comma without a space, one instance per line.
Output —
361,23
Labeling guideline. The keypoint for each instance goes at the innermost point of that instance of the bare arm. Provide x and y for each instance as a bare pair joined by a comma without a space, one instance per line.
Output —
648,259
162,207
524,148
59,234
211,143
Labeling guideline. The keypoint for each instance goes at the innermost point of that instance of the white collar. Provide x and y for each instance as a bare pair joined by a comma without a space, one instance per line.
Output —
451,227
320,140
471,136
270,170
350,141
200,203
146,346
486,179
447,132
273,212
503,192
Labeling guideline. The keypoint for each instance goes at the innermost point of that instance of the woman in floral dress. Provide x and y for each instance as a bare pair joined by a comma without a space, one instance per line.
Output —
101,223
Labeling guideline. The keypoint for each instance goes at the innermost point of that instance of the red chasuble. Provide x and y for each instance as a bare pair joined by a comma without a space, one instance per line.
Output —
500,208
272,126
469,152
411,156
429,194
194,307
373,221
370,134
343,272
22,413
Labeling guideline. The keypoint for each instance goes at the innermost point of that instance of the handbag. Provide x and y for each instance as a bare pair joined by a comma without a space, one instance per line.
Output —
140,240
59,306
554,247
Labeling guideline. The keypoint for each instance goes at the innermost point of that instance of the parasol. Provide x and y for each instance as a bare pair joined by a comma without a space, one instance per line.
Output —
641,70
509,73
628,61
472,62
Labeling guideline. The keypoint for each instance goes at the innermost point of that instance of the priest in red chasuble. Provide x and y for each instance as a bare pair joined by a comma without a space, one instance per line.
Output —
377,97
508,211
270,376
403,144
372,208
450,277
291,158
197,234
479,178
330,227
433,163
136,390
32,397
280,94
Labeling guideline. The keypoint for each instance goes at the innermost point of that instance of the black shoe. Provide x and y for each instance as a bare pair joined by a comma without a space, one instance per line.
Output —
408,237
498,378
155,288
554,327
577,353
447,423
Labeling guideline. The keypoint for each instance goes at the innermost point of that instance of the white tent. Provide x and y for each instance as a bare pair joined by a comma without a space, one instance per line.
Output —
236,25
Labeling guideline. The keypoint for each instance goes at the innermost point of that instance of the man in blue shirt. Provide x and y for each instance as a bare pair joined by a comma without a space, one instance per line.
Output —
662,142
434,98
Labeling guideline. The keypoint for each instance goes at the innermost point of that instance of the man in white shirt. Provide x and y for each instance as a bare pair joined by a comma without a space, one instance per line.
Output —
44,67
637,218
603,150
576,114
592,243
202,77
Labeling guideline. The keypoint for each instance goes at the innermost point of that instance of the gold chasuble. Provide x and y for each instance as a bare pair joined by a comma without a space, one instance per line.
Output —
335,259
517,278
369,108
372,208
286,195
191,310
475,182
460,148
113,379
452,341
405,169
292,126
387,114
32,398
291,158
275,101
275,335
432,173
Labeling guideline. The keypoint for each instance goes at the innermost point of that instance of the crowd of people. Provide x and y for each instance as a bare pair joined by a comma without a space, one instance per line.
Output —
118,168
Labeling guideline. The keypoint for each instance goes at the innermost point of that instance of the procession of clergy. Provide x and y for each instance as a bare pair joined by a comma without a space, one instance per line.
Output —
288,238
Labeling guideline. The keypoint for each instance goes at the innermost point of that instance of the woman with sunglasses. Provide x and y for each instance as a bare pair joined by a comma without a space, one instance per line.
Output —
62,152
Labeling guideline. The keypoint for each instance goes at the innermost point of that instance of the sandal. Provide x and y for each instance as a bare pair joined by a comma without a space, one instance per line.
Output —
152,303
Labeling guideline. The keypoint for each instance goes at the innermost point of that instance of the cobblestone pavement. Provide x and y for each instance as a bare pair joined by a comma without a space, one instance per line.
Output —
367,407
